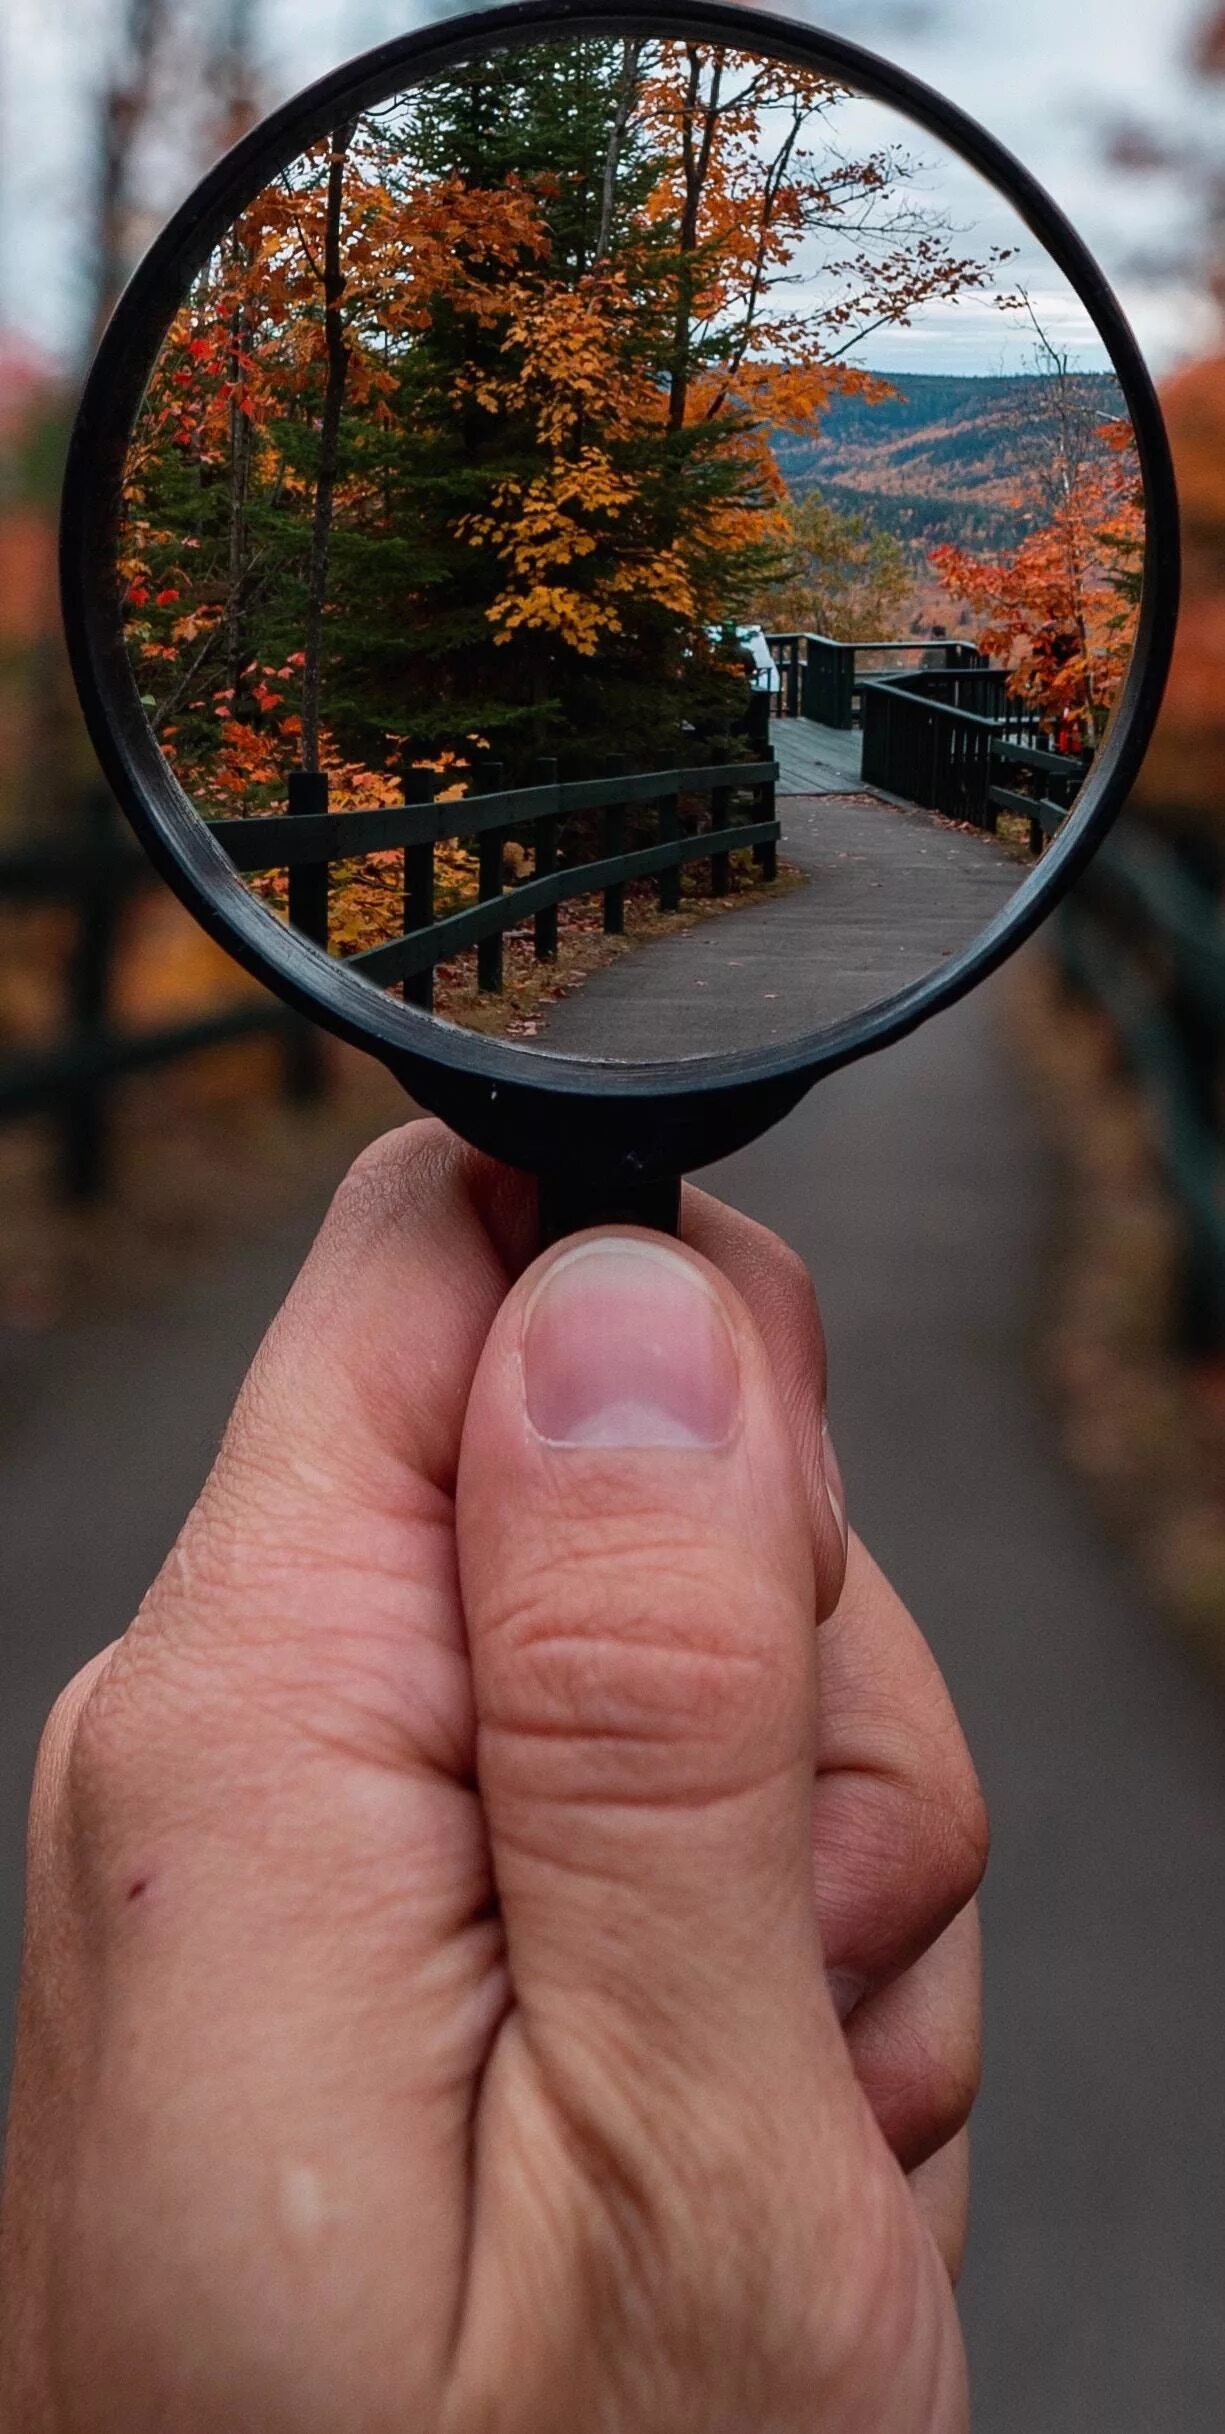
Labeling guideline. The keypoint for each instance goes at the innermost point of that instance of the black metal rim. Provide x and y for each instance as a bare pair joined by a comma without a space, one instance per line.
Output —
536,1109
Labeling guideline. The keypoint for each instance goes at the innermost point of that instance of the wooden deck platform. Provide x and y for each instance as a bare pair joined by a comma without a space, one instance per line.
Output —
813,759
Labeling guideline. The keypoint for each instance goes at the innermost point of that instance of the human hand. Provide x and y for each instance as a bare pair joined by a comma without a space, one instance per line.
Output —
425,2020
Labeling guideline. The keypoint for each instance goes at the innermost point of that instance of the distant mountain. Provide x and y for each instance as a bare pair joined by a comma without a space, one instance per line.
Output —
942,459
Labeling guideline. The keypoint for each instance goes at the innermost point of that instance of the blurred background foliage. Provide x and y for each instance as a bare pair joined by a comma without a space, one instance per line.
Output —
1130,1072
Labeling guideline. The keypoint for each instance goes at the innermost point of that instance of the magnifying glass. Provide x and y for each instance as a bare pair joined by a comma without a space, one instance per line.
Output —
619,559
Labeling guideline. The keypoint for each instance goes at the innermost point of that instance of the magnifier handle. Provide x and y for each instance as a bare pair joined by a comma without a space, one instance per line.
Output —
570,1203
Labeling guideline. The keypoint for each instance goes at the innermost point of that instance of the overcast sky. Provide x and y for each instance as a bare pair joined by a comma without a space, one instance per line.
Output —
1048,76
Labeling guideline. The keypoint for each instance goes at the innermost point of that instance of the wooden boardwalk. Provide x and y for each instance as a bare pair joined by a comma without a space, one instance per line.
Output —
889,896
813,759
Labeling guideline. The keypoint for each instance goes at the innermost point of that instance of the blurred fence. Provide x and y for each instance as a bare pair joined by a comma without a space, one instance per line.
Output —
94,874
1142,938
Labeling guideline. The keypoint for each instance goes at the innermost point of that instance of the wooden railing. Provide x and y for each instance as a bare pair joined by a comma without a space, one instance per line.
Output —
95,873
822,679
307,839
926,744
1041,789
1142,938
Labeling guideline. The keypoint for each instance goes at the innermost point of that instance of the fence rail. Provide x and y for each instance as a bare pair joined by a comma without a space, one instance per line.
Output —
1051,783
822,679
95,875
923,742
308,838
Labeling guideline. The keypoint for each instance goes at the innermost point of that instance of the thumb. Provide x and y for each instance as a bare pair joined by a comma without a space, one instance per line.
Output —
637,1571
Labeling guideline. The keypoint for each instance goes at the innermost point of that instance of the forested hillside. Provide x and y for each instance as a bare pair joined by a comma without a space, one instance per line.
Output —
939,460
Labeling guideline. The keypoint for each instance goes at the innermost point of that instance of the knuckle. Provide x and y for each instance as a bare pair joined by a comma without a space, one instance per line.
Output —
921,2069
106,1744
793,1283
415,1157
950,1852
936,2098
669,1657
896,1865
128,1749
963,1838
60,1735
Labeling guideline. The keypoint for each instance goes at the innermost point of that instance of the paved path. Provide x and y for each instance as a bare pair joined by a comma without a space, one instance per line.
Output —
1096,2295
890,895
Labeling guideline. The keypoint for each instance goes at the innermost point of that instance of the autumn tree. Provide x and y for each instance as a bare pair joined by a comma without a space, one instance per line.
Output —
1059,612
466,437
845,576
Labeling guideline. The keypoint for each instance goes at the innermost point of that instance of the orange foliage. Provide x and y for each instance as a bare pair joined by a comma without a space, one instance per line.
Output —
27,578
1187,756
1060,613
739,190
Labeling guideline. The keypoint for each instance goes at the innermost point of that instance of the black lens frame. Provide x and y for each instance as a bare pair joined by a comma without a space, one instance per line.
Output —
616,1126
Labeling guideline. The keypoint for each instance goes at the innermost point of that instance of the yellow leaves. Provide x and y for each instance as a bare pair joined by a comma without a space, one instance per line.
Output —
664,579
576,618
537,525
199,620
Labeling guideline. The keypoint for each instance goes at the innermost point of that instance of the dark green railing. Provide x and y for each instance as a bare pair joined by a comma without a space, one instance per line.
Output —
307,839
928,738
95,873
1040,788
822,679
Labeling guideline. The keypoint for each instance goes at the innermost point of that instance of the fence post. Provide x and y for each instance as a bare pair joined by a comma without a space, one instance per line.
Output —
614,843
1199,1047
765,856
84,1136
757,725
829,683
720,817
420,786
490,857
308,881
303,1071
844,678
548,832
669,833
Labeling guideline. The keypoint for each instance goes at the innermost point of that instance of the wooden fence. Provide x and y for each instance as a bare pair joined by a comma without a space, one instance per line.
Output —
928,738
94,874
1041,789
307,839
1142,937
823,680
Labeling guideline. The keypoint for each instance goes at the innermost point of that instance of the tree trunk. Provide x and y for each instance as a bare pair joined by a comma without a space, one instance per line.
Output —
240,480
337,349
123,112
696,160
627,95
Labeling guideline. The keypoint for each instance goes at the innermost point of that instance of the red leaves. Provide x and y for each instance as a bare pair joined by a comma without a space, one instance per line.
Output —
1058,612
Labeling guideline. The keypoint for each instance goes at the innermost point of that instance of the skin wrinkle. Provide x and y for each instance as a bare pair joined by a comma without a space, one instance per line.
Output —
251,1626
